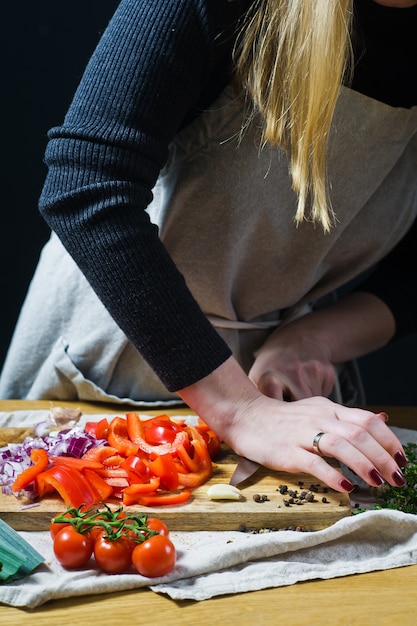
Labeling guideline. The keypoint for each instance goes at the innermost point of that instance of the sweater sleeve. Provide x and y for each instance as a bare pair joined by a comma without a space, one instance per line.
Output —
148,72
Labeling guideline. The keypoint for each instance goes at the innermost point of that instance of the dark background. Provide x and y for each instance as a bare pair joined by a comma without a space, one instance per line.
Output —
45,47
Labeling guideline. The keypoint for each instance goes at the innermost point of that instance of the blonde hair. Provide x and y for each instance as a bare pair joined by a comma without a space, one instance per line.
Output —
292,57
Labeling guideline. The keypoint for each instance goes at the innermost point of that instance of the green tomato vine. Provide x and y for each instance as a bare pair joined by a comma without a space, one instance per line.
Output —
115,524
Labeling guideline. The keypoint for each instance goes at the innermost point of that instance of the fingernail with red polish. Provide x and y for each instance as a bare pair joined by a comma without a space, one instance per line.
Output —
347,485
376,477
398,478
384,416
400,458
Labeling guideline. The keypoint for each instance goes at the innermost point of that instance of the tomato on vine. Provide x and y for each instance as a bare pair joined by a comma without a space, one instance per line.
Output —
71,548
154,523
154,557
114,556
55,527
112,537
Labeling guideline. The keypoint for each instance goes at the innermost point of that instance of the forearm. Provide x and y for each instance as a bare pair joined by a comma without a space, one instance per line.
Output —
297,360
354,326
218,397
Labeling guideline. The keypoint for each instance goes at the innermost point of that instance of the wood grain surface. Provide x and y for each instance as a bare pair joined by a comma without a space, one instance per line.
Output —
201,513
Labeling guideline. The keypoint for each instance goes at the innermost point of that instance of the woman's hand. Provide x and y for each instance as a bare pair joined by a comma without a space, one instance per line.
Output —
297,360
280,434
292,365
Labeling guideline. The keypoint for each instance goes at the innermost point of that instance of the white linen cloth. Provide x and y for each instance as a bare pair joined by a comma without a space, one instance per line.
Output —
217,563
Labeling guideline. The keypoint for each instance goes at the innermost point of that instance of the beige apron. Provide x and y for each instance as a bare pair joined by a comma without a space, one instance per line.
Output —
226,214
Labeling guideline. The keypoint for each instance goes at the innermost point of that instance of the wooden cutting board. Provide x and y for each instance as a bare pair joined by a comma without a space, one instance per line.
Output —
201,513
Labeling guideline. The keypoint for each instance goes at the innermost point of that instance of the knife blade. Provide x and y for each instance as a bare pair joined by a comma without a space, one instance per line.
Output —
244,470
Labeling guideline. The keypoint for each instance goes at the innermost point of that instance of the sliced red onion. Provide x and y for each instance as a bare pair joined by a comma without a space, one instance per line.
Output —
15,457
77,446
41,429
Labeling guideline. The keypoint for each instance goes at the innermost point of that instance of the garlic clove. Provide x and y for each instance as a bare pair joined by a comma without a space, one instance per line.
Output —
223,491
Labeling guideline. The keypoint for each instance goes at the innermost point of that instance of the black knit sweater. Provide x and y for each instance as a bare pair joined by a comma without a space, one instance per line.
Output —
158,64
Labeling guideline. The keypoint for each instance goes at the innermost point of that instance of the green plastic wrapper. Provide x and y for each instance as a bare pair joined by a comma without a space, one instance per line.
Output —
17,557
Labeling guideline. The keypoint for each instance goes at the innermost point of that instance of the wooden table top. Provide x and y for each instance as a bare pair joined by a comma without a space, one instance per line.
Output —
378,598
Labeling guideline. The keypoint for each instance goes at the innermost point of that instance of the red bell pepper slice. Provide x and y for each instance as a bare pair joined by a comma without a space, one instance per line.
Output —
102,429
160,430
98,429
162,418
80,464
164,499
98,483
117,482
118,437
71,485
135,464
201,459
181,440
181,469
136,432
40,460
134,426
212,440
137,489
113,461
164,467
99,454
190,464
112,472
135,479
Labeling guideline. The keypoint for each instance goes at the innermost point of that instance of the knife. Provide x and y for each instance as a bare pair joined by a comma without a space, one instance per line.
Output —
244,470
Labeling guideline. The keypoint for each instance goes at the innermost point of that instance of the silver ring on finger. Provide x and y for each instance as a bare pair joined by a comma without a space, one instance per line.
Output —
316,443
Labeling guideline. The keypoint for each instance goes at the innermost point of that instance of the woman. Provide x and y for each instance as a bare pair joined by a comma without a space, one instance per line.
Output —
268,187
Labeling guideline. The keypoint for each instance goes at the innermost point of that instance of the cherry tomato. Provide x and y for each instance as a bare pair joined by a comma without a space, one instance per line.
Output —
154,557
113,556
95,532
55,527
154,523
71,548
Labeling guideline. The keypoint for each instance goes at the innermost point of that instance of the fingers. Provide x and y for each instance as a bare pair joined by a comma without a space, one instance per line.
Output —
275,385
336,447
317,466
270,385
369,459
361,440
283,433
353,422
383,416
357,438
